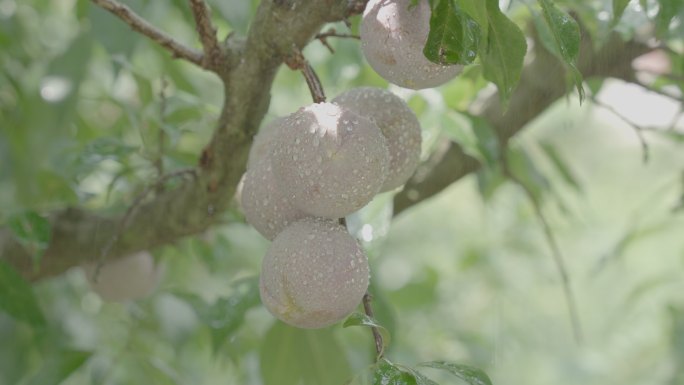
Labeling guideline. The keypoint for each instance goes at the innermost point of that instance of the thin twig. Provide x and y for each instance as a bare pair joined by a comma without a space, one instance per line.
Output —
368,309
297,61
130,213
639,130
323,37
556,253
138,24
207,33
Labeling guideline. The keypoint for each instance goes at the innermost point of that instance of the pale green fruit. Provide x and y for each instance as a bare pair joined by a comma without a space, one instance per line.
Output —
398,124
329,161
127,278
314,274
392,39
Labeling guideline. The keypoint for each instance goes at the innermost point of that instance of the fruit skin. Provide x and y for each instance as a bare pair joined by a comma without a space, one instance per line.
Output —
262,145
392,39
329,161
128,278
265,206
398,124
314,274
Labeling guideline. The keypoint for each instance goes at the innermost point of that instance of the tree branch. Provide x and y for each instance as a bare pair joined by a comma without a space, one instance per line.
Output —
541,84
138,24
213,56
79,235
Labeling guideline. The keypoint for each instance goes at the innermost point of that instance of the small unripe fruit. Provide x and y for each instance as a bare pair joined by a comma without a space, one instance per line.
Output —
392,39
328,160
398,124
127,278
263,203
314,274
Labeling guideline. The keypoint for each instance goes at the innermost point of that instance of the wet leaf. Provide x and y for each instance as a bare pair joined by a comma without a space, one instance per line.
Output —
454,36
360,319
563,39
469,374
503,53
386,373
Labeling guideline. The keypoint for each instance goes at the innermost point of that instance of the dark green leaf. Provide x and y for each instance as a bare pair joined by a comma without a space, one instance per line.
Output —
502,55
293,356
17,297
561,166
59,366
564,39
619,7
454,36
469,374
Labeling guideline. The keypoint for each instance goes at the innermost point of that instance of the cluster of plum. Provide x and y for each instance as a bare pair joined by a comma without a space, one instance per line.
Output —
326,161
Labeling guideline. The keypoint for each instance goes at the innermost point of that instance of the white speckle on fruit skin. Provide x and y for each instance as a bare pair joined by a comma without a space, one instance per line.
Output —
398,124
262,200
392,39
299,279
316,152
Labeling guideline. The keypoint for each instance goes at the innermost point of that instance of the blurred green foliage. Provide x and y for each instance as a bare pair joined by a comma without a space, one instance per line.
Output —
466,277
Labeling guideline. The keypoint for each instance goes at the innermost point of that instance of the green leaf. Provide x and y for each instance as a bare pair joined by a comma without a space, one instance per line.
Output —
225,315
477,137
668,10
293,356
561,166
502,55
469,374
421,379
386,373
17,297
360,319
58,367
488,181
454,36
31,229
478,11
524,169
565,39
619,7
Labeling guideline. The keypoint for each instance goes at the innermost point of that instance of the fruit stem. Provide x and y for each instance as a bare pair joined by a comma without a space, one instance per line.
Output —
379,346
